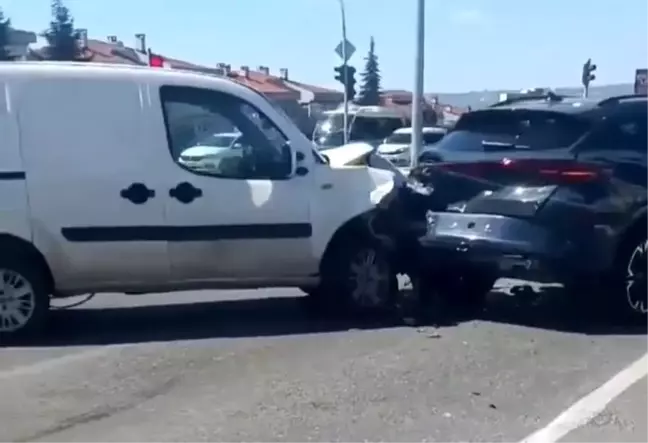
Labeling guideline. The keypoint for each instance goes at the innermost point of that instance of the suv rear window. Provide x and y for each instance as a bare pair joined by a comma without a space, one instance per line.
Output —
500,129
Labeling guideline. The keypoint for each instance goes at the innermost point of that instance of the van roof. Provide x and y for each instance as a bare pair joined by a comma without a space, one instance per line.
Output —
113,71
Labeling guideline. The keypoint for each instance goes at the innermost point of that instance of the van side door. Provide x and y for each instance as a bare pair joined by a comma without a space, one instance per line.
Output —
235,208
94,191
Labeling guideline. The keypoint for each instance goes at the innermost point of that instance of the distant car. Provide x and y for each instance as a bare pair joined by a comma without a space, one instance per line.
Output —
396,147
210,150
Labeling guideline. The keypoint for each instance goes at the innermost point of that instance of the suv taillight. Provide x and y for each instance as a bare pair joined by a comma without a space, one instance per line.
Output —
549,171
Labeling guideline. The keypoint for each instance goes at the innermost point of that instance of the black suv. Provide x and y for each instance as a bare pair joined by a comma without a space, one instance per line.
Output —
551,187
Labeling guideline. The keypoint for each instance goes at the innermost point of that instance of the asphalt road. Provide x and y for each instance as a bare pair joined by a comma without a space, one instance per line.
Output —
186,367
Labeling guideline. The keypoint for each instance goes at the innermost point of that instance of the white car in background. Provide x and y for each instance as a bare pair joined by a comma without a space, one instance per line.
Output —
210,150
396,147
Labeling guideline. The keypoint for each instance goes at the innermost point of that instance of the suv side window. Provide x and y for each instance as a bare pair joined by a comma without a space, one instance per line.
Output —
627,131
216,134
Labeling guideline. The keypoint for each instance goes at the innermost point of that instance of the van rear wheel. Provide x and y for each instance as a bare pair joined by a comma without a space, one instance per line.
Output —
24,298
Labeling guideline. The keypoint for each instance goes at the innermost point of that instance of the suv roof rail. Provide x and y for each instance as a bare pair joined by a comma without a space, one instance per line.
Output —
549,96
617,98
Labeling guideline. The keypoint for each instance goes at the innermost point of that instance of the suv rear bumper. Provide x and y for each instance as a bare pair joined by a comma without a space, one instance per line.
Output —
513,247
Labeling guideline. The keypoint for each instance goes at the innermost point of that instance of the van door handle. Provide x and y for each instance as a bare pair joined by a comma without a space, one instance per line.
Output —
137,193
185,192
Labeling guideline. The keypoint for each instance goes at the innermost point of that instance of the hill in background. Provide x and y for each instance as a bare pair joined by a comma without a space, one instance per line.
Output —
478,99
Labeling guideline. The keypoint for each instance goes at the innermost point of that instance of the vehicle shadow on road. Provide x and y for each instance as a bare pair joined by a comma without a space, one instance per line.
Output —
192,321
277,316
550,308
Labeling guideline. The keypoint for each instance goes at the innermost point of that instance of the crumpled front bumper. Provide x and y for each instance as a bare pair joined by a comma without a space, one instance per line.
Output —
512,246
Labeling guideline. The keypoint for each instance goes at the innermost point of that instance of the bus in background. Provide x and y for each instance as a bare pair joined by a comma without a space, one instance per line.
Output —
640,87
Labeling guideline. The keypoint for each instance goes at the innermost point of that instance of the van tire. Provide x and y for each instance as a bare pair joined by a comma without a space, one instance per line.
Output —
17,270
357,278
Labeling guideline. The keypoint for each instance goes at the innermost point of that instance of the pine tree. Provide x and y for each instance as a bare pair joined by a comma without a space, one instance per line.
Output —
5,30
61,35
370,86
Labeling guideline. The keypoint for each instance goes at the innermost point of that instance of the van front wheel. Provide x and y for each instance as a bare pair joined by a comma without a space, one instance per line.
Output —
358,278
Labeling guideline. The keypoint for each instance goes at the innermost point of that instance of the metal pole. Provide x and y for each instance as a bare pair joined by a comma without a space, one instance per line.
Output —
346,80
417,96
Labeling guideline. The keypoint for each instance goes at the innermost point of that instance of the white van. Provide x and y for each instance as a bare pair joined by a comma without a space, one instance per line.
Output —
95,197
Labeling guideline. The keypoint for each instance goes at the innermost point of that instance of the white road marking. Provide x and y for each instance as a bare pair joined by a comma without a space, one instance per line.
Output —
52,363
588,407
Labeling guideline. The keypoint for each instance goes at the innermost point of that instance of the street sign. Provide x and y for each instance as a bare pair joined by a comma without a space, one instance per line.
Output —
350,50
641,81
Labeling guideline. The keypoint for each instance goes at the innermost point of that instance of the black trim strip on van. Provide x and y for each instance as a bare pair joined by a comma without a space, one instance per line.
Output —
12,175
186,233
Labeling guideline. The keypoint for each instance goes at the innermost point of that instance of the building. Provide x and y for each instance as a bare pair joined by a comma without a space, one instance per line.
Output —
300,101
403,99
19,42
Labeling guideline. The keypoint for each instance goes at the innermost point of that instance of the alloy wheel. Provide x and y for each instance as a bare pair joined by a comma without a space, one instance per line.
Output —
17,301
636,292
369,279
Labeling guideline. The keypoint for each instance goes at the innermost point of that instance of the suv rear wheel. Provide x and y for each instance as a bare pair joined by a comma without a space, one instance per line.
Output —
634,284
622,293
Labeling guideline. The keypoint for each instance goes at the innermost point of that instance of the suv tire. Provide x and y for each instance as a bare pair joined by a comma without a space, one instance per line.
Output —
627,285
621,294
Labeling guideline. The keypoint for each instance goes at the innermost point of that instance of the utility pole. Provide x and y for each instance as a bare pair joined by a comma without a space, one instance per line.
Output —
417,96
345,58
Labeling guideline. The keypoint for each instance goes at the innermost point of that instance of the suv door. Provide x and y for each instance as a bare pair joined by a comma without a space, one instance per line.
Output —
238,211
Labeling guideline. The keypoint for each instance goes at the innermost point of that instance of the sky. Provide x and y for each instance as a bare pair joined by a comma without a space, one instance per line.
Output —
470,45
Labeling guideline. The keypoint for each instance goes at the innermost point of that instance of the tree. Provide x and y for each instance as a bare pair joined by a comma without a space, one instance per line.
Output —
5,30
370,79
61,36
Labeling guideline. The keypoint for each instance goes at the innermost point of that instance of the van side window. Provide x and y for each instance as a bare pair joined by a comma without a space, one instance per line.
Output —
217,134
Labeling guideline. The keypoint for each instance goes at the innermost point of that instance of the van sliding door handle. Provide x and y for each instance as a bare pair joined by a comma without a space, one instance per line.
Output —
185,192
137,193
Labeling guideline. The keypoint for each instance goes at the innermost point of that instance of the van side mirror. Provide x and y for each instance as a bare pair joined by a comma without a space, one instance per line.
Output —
326,159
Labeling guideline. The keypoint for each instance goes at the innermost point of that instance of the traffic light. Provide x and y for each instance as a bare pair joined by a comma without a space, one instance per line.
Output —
340,73
588,76
345,74
350,83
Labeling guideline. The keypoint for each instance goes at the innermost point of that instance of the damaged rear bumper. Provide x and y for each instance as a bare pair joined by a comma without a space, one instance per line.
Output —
512,247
